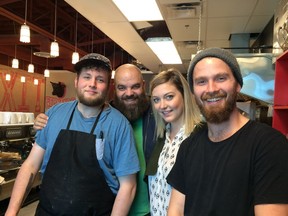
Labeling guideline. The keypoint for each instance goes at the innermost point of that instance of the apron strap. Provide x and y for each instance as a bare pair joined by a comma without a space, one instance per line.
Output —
95,123
71,116
97,119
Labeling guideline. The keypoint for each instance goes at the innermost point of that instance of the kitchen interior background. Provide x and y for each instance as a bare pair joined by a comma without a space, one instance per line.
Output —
36,93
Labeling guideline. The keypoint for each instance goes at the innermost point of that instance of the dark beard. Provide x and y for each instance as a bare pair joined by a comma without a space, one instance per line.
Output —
99,101
132,112
222,114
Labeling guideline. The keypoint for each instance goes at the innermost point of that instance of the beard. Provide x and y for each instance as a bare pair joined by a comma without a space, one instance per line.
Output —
218,114
132,111
94,102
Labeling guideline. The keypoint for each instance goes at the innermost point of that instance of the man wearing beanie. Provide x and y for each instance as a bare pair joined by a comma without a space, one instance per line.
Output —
86,152
230,165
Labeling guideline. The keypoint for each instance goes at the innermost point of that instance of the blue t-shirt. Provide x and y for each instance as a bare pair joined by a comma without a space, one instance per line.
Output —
116,151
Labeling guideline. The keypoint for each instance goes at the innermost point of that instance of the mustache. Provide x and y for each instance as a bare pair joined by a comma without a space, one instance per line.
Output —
215,94
129,97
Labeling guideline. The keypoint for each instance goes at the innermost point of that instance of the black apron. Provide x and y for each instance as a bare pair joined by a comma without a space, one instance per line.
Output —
74,183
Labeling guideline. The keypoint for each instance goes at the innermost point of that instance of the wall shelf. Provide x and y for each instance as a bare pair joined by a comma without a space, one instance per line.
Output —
280,113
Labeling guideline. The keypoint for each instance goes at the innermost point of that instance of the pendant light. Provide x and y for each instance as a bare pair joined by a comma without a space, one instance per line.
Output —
36,81
31,66
25,30
15,61
46,71
75,55
113,71
8,77
54,48
23,79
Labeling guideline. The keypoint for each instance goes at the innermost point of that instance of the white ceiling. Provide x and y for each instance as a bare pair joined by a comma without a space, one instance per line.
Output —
220,19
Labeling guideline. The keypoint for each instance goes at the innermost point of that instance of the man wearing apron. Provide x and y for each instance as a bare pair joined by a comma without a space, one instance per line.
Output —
86,152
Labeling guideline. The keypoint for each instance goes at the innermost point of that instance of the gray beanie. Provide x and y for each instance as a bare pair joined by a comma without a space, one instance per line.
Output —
222,54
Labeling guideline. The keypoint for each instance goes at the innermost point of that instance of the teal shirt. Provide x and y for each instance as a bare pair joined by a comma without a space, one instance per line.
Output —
140,205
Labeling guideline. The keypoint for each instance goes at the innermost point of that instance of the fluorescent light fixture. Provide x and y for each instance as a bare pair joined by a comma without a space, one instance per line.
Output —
139,10
165,50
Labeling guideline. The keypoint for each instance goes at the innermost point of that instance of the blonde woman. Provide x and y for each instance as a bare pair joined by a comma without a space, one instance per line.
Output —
176,115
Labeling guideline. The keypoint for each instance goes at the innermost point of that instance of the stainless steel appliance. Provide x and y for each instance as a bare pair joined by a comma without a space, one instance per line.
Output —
280,34
15,145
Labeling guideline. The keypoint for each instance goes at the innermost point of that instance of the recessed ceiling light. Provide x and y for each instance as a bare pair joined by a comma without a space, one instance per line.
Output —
165,50
139,10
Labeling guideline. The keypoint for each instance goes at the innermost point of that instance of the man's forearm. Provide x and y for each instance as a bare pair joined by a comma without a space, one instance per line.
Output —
21,189
176,205
124,199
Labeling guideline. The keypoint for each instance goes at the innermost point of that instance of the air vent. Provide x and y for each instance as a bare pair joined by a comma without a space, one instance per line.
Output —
183,10
189,44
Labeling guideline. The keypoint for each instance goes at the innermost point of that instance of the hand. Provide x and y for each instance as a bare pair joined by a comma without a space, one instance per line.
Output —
40,121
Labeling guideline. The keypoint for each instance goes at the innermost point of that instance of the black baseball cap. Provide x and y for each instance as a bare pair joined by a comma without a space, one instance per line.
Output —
93,59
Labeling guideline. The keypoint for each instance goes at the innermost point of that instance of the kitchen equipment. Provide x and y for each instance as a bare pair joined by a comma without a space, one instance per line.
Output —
280,37
16,141
16,118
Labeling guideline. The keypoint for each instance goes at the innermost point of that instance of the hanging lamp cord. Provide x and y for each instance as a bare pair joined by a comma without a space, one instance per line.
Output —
25,12
76,30
55,27
199,28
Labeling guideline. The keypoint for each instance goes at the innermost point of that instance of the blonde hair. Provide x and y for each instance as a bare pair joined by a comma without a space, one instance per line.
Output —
191,111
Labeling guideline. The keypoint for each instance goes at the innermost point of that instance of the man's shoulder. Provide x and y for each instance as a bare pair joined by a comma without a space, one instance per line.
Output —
198,130
115,114
62,106
262,129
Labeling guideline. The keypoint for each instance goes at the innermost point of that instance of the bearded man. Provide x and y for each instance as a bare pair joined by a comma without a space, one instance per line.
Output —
86,153
232,165
131,100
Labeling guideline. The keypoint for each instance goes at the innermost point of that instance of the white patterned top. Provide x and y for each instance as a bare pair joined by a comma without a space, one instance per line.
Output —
159,189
